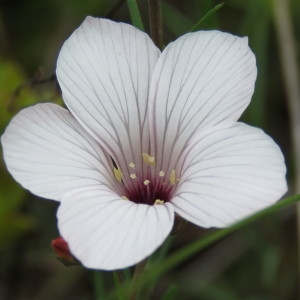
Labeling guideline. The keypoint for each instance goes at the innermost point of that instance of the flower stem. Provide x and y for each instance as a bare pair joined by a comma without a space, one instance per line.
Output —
98,285
155,20
288,52
135,14
184,253
138,270
120,276
118,279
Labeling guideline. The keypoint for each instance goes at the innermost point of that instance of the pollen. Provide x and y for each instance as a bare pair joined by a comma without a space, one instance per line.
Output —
148,159
125,198
118,174
133,176
172,177
158,201
132,165
146,182
161,173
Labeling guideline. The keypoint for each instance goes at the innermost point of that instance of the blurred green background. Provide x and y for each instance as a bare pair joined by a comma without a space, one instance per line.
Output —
256,263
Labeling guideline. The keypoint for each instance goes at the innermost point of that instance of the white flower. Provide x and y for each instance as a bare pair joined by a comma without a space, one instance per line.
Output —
148,135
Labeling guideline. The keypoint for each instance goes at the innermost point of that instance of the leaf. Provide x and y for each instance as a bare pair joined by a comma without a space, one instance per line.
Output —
199,24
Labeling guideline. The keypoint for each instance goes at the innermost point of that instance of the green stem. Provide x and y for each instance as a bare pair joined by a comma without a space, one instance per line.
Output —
181,255
98,285
138,271
118,279
135,14
139,268
155,20
287,42
120,276
208,240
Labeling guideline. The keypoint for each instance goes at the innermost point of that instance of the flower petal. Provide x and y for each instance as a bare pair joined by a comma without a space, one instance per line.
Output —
200,80
104,70
107,232
229,173
49,153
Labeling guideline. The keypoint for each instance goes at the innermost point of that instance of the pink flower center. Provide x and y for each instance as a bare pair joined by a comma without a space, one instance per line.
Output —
156,187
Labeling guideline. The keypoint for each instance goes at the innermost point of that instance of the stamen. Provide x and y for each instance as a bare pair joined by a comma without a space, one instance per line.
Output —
161,173
148,159
172,177
132,165
133,176
158,201
125,198
146,182
118,174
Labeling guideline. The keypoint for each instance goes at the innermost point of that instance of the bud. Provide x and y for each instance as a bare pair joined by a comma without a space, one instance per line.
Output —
64,255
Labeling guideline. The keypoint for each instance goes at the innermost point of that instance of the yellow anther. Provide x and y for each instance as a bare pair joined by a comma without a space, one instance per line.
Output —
161,173
132,176
132,165
146,182
158,201
172,177
148,159
118,174
125,198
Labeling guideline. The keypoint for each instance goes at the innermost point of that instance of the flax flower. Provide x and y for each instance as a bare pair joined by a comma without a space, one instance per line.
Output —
147,135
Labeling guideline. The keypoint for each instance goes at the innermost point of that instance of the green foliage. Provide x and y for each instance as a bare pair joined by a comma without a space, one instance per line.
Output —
11,78
12,222
135,14
171,293
199,24
98,281
171,15
191,249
